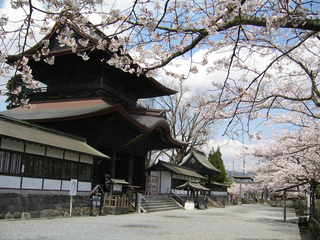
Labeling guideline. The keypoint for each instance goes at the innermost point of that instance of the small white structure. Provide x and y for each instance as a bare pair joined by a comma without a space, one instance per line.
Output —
189,205
163,177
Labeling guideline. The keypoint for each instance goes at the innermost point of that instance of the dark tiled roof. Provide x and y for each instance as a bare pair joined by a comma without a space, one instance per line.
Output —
202,159
192,185
57,110
177,169
29,132
72,109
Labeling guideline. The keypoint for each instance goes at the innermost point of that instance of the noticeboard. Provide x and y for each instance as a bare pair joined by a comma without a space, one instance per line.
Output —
73,187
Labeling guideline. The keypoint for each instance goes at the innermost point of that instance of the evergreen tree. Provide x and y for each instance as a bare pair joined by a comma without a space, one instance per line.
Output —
215,158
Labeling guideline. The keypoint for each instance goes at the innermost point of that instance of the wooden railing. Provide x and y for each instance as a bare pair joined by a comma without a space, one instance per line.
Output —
116,201
179,199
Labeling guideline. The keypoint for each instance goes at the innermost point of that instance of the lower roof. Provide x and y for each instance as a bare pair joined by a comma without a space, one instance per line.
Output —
176,169
202,159
220,184
57,110
81,108
21,130
193,186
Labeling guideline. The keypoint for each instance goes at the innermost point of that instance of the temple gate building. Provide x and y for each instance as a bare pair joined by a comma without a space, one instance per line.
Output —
84,94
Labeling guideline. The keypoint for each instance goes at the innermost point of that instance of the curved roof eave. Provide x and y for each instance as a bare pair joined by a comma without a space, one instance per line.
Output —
68,50
154,123
98,108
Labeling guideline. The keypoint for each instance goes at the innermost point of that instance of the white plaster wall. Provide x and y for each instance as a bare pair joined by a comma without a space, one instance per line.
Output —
84,186
86,159
51,184
35,148
73,156
9,182
31,183
165,182
65,185
12,144
54,152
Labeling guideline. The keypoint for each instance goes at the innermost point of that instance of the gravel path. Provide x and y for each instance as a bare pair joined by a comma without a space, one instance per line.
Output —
245,222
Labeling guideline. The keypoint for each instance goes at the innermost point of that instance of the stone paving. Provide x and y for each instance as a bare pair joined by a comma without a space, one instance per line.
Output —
244,222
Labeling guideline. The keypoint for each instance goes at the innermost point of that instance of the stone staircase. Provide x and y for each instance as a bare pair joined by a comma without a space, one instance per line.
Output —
156,203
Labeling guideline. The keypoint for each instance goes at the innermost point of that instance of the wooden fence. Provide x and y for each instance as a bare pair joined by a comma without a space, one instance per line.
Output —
116,201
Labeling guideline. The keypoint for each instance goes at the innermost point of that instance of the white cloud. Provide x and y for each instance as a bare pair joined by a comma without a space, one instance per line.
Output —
233,153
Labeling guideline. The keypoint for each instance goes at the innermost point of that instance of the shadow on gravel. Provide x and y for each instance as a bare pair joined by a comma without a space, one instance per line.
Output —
259,239
139,226
175,216
266,220
306,235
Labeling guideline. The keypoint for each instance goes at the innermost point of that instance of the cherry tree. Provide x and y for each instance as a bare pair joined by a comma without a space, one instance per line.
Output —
293,156
164,31
187,119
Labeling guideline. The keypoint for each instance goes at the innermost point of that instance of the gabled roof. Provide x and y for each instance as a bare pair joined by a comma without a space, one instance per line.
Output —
201,158
176,169
191,185
119,181
21,130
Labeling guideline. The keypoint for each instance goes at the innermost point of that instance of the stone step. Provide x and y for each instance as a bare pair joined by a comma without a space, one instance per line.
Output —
156,198
159,203
162,209
159,206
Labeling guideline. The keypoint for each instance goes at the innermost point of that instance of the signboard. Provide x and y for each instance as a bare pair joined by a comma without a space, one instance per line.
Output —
117,188
73,187
96,201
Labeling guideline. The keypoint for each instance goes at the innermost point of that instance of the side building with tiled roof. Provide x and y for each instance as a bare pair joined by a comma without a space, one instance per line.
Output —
198,161
164,177
36,165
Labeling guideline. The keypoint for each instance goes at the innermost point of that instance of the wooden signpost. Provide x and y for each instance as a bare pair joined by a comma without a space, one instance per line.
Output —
72,192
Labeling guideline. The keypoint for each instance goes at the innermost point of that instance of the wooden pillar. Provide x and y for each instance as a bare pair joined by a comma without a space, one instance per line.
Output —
284,205
113,167
130,170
